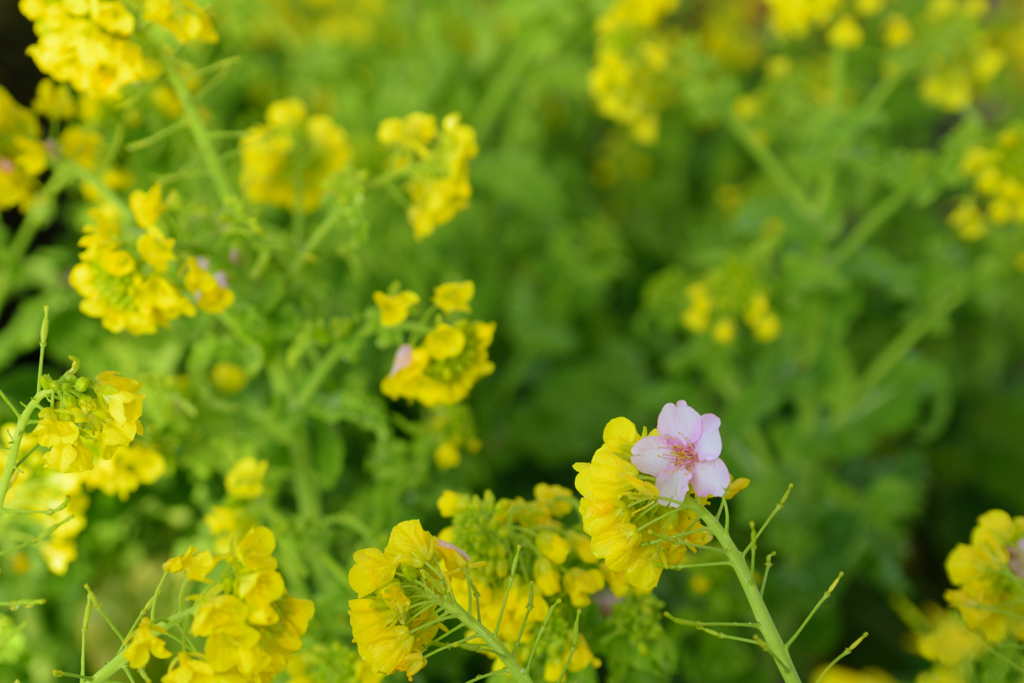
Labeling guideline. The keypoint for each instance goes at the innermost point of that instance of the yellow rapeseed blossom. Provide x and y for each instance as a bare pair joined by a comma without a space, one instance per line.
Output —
252,627
22,154
144,641
948,640
147,205
986,574
794,19
621,534
447,455
211,291
845,34
394,308
88,45
186,20
227,377
454,297
629,80
54,101
437,162
431,375
112,285
196,565
291,146
244,480
125,471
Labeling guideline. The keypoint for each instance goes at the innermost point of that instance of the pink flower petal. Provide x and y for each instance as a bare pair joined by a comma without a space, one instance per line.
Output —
710,478
402,359
709,446
651,454
673,484
679,420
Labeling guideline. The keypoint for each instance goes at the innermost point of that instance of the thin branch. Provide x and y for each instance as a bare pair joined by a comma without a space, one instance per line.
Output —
844,653
824,597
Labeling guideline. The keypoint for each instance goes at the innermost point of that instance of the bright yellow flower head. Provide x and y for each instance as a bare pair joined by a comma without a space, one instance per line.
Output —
256,549
156,249
245,478
581,583
197,566
410,544
260,590
447,456
144,642
372,570
552,546
394,308
451,503
55,101
147,206
845,34
126,470
185,20
455,297
444,342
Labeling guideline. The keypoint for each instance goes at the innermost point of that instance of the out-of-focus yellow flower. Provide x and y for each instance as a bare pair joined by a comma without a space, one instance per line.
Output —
454,297
144,642
228,377
244,480
394,308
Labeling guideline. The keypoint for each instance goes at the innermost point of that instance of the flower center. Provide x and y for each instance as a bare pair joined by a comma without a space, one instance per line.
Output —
683,454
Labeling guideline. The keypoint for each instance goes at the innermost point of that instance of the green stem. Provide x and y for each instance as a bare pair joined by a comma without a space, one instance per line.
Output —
516,670
200,134
12,454
774,641
119,661
773,168
870,223
307,494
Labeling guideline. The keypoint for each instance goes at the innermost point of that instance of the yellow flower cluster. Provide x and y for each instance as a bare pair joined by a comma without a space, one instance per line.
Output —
997,196
55,101
230,521
287,159
987,574
451,358
445,367
558,560
437,164
946,642
795,19
35,487
334,663
250,623
628,528
700,316
140,299
185,19
391,629
78,427
629,80
87,44
22,154
959,68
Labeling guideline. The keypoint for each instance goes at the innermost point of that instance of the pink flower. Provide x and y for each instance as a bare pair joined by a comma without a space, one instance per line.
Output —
402,359
451,546
684,454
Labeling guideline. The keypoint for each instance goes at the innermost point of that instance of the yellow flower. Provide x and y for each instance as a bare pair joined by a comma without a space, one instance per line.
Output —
451,503
228,378
552,546
260,590
256,549
845,34
453,297
186,20
53,100
147,206
125,471
581,659
144,642
581,583
372,570
949,641
410,544
724,331
212,294
897,30
444,342
546,577
431,381
559,499
394,308
287,159
447,456
439,186
197,566
245,478
156,249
